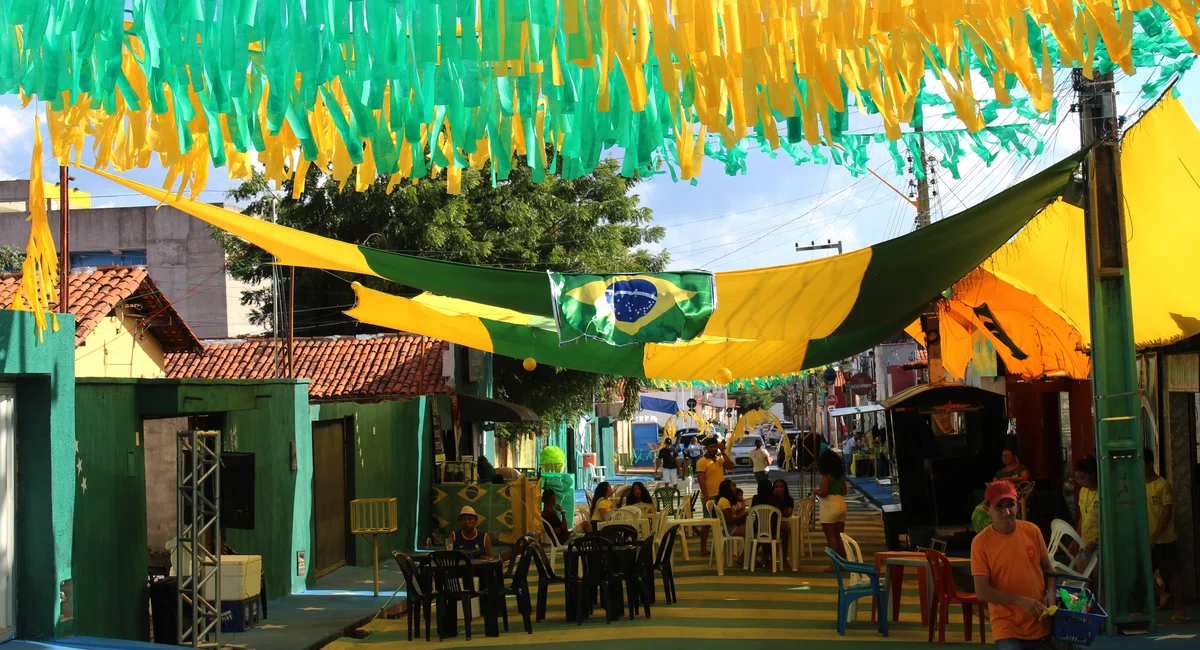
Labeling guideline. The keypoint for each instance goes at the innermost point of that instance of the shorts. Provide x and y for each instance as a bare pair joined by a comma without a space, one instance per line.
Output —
833,509
1044,643
1164,558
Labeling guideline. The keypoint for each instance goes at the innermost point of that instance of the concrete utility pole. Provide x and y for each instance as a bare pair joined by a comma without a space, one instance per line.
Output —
1125,554
930,320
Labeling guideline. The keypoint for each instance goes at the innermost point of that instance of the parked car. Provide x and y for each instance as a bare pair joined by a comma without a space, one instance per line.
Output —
740,454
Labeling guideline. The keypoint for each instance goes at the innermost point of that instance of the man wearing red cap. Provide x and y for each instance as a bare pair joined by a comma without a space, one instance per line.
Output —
1009,562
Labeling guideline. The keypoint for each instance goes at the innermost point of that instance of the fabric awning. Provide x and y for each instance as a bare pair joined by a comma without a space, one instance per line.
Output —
855,410
486,409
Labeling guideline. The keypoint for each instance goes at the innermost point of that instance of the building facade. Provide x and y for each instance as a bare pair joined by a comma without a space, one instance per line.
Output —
177,249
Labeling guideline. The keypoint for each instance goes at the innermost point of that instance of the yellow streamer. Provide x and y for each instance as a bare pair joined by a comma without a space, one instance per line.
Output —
40,270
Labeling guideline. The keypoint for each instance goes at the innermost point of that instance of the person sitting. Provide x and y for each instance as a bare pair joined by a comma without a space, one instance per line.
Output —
601,505
484,472
554,515
637,493
731,508
781,498
1013,471
469,538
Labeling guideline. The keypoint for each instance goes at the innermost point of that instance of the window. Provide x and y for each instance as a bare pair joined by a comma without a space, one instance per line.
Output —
108,258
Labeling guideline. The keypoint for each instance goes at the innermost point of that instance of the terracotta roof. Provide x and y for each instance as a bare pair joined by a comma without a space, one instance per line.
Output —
95,293
374,367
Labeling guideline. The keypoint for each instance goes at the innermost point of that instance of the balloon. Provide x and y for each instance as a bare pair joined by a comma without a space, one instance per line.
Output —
529,364
724,375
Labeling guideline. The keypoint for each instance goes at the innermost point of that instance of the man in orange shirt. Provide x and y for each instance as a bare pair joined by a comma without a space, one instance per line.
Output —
1009,562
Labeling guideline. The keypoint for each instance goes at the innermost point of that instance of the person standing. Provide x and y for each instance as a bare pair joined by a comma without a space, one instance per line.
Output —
667,458
833,503
694,452
848,447
760,460
711,472
1009,563
1164,552
1087,521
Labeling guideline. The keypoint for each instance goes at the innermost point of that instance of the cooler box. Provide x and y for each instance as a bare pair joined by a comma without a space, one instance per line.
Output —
241,578
239,615
589,460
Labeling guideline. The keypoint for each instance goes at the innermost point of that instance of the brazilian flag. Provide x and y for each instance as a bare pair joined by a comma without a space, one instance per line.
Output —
632,308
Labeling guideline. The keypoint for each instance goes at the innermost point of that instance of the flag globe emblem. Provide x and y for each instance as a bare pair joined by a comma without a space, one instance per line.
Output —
632,299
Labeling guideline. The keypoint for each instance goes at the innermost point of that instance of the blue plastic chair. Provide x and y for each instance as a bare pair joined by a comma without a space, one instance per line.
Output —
848,595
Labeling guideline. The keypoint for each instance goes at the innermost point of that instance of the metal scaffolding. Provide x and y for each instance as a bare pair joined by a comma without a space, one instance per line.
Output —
198,531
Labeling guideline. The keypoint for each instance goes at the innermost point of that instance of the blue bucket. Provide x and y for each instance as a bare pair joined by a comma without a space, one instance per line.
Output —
1076,627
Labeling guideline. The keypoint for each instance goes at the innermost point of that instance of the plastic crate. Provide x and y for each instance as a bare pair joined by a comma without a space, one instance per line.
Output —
1077,628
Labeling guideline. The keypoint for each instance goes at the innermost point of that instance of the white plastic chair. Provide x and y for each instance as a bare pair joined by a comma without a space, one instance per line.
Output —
764,533
587,494
803,511
552,544
726,543
582,512
1061,534
854,554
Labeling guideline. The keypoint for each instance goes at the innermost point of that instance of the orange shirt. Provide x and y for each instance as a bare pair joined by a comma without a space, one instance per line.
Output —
1014,565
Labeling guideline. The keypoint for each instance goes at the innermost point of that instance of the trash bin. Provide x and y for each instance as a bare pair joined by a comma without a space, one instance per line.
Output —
563,485
893,524
164,594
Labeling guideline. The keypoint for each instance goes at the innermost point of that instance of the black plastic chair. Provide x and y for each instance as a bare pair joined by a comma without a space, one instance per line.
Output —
663,563
518,586
691,507
455,582
420,595
638,579
619,534
588,568
546,577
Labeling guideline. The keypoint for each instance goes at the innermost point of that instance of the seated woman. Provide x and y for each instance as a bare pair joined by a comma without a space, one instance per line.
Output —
731,509
554,515
781,499
1013,470
469,538
637,493
601,504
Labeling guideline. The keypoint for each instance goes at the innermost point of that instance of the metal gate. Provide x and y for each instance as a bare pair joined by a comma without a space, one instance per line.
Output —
8,509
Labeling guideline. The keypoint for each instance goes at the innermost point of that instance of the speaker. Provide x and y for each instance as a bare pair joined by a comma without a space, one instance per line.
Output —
237,490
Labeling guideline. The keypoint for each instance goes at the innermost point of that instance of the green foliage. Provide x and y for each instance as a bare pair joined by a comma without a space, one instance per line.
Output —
753,398
11,259
593,224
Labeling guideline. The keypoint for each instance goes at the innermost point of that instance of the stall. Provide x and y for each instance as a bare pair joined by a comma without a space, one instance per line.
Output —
945,439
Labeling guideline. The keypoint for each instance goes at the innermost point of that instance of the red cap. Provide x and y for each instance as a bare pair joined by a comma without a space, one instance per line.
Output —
998,491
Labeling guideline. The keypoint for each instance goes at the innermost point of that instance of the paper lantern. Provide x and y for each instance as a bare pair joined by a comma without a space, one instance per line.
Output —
724,375
529,364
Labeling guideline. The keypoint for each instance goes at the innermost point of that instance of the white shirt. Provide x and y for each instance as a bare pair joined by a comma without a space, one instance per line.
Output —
848,446
761,459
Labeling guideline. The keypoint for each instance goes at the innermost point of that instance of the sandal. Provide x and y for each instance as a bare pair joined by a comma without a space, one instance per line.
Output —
1181,618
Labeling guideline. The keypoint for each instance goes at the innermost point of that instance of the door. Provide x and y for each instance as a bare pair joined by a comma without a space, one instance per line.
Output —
8,508
330,497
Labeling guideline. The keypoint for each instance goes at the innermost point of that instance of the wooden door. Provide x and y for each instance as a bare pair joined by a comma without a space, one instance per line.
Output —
330,499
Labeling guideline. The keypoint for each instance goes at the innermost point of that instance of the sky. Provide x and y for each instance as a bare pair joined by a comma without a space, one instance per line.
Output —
725,222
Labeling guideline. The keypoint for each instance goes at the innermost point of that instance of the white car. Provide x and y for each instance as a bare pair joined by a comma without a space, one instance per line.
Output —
740,454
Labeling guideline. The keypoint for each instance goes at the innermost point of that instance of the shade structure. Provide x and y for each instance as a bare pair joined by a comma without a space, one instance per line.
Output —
1030,298
487,409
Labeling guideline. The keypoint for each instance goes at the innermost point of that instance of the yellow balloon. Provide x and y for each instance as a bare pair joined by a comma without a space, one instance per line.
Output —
724,375
529,364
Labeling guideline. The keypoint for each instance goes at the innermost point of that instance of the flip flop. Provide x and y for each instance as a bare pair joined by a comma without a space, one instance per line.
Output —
1181,618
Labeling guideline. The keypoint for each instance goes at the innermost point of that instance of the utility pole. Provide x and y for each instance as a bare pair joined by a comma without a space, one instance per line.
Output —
64,236
930,319
1125,555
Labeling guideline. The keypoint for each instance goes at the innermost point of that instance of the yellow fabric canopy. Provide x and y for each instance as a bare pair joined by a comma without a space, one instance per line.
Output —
1035,287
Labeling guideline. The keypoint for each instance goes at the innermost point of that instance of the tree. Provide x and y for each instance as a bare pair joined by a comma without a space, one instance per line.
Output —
753,398
11,259
589,224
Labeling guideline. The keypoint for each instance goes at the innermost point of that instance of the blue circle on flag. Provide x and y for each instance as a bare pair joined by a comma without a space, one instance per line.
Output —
632,299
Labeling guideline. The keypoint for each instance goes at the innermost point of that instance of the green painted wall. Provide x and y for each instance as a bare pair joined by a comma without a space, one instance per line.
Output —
44,374
110,517
392,445
283,496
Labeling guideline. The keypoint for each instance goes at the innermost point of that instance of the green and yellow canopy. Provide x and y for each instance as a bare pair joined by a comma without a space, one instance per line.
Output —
816,312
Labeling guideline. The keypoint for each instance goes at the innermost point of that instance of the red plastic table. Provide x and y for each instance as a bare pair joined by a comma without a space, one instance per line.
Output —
895,581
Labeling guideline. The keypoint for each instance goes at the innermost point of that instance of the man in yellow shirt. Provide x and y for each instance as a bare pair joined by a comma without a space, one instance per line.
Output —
1087,520
711,472
1164,554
